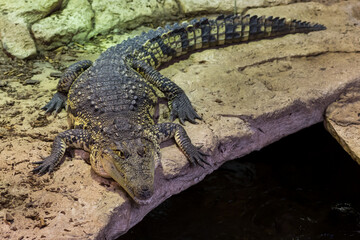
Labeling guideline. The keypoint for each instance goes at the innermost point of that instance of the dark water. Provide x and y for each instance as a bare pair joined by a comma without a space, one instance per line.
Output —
302,187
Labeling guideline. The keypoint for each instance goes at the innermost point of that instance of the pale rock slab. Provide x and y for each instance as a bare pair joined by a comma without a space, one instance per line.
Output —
30,11
342,120
71,24
16,39
15,19
218,6
122,15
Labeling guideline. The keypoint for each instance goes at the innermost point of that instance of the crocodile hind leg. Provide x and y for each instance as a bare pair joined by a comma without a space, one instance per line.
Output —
165,131
59,99
179,103
75,138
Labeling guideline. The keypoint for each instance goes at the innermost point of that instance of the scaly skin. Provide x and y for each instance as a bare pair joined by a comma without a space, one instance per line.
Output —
110,102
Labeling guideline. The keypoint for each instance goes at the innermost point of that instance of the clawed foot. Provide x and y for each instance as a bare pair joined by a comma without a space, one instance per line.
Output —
197,157
57,103
46,166
181,108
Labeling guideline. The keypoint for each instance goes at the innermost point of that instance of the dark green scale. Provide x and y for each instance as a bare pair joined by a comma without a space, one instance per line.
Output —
111,102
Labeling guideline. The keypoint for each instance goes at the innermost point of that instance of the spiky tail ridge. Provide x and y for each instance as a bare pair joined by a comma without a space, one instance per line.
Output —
165,43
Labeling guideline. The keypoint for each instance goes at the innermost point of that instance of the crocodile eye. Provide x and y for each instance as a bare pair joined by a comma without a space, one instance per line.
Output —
119,153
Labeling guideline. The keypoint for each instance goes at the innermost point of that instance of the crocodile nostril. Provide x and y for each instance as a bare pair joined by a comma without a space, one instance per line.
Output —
145,192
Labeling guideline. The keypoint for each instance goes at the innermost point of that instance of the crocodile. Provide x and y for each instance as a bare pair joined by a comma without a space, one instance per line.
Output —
111,102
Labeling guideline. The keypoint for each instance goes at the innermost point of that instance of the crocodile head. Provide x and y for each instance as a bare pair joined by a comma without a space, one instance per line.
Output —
131,163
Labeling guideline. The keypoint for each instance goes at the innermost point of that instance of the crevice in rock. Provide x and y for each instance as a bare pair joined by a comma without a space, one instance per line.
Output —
344,123
269,4
60,6
314,54
34,136
181,9
92,19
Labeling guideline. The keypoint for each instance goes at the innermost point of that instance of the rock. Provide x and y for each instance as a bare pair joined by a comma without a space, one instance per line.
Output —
3,83
219,6
9,217
16,39
30,11
130,14
342,120
71,24
31,82
15,17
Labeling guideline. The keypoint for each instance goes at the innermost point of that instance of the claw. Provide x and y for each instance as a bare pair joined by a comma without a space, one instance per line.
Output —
56,103
198,158
182,109
199,163
45,166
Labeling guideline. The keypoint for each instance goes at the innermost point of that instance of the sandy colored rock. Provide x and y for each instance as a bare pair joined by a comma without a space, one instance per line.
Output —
72,24
30,11
16,39
122,15
248,95
343,121
15,19
208,6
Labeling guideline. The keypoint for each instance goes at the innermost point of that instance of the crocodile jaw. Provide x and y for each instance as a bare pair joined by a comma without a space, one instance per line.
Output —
132,180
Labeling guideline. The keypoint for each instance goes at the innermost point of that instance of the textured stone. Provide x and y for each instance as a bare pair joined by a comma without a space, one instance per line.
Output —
16,39
121,15
343,121
15,19
30,11
219,6
71,24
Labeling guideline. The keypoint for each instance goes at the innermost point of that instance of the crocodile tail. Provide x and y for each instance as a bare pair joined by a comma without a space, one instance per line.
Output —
165,43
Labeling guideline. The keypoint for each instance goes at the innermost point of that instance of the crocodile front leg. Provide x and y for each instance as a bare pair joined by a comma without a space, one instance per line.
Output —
179,103
75,138
165,131
69,76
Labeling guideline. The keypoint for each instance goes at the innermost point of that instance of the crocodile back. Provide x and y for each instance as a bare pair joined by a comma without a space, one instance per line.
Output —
109,90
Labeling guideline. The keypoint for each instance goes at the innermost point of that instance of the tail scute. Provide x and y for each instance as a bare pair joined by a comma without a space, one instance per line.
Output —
178,39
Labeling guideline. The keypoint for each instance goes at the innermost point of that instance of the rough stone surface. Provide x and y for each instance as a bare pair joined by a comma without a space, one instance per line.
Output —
15,19
343,121
122,15
30,11
16,39
249,96
209,6
71,24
